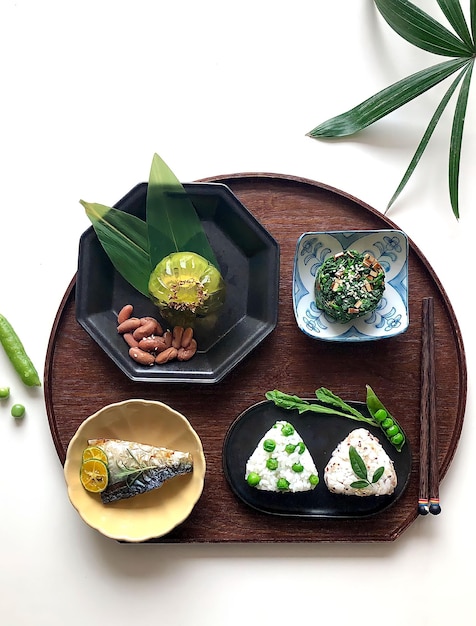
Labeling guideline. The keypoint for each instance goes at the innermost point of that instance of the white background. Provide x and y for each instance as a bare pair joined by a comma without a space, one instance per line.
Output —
90,90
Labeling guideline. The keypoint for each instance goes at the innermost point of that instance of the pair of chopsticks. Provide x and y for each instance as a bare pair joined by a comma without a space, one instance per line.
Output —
429,498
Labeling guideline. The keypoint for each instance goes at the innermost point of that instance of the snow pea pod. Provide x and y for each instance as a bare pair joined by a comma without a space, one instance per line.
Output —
388,424
17,354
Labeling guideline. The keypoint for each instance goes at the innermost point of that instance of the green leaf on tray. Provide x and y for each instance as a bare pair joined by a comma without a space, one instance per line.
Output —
124,239
425,32
172,226
172,221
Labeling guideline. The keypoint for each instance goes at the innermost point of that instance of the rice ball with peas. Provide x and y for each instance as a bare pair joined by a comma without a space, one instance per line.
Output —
281,462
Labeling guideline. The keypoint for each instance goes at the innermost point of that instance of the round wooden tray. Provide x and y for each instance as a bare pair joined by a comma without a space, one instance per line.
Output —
80,378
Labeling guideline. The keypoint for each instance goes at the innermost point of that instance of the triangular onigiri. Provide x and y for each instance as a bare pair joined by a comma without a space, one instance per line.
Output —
343,476
281,462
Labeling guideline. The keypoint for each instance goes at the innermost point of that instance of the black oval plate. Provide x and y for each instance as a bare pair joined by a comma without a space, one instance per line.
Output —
321,433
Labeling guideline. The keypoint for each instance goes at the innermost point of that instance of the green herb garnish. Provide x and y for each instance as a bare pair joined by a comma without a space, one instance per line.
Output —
360,470
131,474
331,404
425,32
286,401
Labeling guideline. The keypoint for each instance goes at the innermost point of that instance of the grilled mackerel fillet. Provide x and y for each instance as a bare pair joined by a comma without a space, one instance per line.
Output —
136,468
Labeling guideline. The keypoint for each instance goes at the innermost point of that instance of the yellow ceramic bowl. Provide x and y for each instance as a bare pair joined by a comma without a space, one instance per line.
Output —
152,514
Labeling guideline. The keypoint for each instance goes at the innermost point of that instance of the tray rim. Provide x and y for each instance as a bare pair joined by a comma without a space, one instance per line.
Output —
247,178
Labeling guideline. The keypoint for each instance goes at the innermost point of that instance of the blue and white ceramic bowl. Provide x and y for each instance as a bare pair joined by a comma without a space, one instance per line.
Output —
389,247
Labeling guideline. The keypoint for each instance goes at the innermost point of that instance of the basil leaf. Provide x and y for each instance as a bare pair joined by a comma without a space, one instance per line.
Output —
421,29
172,221
386,101
360,484
358,466
378,474
454,14
426,137
124,239
457,138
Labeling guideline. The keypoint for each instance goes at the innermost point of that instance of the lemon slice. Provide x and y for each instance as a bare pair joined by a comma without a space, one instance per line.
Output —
94,452
94,475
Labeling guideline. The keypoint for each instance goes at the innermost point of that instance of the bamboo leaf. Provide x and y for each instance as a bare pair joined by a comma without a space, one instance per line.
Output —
426,137
172,221
386,101
420,29
124,239
454,14
457,139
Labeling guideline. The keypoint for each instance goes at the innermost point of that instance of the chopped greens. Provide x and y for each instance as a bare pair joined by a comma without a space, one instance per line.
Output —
349,284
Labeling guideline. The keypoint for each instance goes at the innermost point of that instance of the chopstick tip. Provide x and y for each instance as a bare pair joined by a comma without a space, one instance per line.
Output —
423,507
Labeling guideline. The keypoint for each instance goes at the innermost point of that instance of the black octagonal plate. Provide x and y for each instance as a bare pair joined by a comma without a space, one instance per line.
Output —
321,433
249,262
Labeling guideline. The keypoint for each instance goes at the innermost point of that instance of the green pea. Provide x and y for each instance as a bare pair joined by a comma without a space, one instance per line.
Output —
392,431
4,392
297,467
272,464
18,411
253,479
397,439
380,415
387,423
287,430
282,484
302,447
314,479
290,447
269,445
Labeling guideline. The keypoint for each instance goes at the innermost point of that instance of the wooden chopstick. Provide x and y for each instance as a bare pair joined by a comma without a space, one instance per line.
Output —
434,486
428,501
423,499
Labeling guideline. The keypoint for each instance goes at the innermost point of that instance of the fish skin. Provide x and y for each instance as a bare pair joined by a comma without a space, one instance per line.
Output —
166,463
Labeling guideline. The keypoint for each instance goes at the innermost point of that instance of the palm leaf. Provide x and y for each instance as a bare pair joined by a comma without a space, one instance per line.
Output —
457,138
426,137
172,221
454,14
124,239
386,101
472,13
422,30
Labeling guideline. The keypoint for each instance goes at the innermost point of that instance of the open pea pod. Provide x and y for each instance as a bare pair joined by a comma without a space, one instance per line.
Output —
388,424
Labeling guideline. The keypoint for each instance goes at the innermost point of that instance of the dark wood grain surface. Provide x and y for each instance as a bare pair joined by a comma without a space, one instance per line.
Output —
80,379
